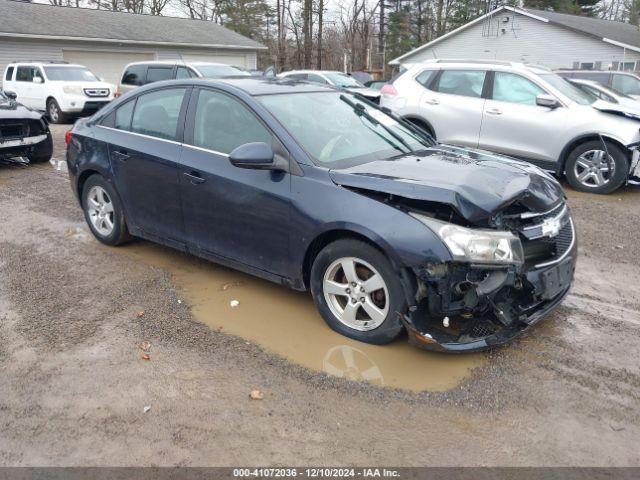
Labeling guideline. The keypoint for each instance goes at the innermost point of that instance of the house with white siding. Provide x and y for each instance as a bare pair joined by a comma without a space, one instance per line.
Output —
105,41
555,40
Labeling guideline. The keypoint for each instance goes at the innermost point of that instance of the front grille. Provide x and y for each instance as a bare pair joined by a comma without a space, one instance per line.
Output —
13,130
549,239
96,92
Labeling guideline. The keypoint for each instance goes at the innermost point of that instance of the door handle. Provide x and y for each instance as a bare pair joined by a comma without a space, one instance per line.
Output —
432,101
194,178
493,111
121,155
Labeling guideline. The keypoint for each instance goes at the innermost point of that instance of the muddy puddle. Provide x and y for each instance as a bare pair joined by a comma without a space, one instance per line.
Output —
286,323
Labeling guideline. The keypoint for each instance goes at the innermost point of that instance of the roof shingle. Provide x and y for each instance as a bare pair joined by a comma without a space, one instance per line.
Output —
617,31
25,18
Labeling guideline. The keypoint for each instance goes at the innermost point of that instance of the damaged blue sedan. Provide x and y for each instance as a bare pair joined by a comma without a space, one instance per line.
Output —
320,190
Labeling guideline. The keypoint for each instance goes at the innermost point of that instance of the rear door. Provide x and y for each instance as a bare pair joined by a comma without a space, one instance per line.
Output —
236,213
513,124
453,104
144,150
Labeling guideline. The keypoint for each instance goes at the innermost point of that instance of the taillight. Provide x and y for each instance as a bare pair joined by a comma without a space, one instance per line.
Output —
67,137
388,90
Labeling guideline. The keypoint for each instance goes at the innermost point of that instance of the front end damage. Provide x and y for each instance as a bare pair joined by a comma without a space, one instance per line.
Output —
462,307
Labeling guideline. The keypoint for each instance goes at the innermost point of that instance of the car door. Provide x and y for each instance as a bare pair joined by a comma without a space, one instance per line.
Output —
144,149
235,213
452,103
513,124
23,86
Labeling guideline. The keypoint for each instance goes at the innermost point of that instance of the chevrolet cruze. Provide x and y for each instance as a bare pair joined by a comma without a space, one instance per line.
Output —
320,190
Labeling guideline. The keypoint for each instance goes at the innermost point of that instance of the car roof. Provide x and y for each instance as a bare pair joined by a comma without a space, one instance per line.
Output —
176,62
46,64
268,86
312,71
484,64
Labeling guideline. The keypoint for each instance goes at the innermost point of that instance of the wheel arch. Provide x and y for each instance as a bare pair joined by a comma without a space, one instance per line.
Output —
569,147
418,119
329,236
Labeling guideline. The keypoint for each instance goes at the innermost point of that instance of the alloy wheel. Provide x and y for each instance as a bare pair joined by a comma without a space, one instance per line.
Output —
594,168
356,293
100,209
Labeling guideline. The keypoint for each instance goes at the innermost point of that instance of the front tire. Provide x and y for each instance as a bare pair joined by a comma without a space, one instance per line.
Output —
103,212
357,291
54,112
589,170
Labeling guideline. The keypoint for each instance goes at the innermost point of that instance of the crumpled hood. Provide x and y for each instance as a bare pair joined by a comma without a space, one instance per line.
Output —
476,184
621,109
12,110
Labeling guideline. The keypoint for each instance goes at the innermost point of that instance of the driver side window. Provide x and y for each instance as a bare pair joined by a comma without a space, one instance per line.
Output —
223,123
509,87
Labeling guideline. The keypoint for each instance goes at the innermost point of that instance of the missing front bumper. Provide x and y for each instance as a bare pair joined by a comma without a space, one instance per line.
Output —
499,312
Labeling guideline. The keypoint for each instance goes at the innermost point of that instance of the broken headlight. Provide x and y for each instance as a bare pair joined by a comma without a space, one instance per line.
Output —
476,245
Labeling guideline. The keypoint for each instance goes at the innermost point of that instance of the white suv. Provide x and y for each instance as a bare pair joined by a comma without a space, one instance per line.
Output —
523,111
62,90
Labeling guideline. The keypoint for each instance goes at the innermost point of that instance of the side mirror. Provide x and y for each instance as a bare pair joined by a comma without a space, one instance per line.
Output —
257,155
37,80
11,95
548,101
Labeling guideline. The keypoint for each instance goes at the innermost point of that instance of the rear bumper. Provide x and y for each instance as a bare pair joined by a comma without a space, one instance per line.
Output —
544,289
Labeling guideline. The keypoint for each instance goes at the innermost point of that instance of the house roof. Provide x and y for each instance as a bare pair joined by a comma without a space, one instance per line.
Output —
33,20
621,32
617,33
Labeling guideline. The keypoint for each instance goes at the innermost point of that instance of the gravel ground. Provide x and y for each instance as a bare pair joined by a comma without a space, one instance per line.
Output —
74,385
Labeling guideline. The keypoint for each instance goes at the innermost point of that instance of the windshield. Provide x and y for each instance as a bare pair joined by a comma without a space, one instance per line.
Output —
567,89
343,80
70,74
212,71
335,134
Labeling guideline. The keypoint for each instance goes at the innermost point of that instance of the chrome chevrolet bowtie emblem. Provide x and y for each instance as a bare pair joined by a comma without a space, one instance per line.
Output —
551,227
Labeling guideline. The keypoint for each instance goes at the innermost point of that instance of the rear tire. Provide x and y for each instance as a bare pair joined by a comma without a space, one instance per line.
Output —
353,307
103,212
587,169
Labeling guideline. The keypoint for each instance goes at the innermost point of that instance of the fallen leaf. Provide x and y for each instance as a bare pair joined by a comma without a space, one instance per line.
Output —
145,356
256,395
140,314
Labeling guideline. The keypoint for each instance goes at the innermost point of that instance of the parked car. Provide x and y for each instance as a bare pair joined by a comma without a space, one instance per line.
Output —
23,132
523,111
336,79
63,90
319,190
624,82
607,94
376,84
141,73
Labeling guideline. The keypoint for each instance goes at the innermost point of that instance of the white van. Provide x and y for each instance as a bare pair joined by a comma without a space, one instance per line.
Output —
61,89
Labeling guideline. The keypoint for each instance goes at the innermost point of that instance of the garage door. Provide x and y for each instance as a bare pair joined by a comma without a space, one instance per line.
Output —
108,65
235,60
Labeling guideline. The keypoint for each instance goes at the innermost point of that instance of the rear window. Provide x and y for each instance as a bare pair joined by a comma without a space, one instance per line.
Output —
134,75
156,113
157,74
467,83
626,84
425,77
9,75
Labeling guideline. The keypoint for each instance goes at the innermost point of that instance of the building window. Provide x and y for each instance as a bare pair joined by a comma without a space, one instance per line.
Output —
586,66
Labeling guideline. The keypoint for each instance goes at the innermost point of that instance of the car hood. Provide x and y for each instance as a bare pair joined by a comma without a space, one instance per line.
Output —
365,92
12,110
626,109
476,184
